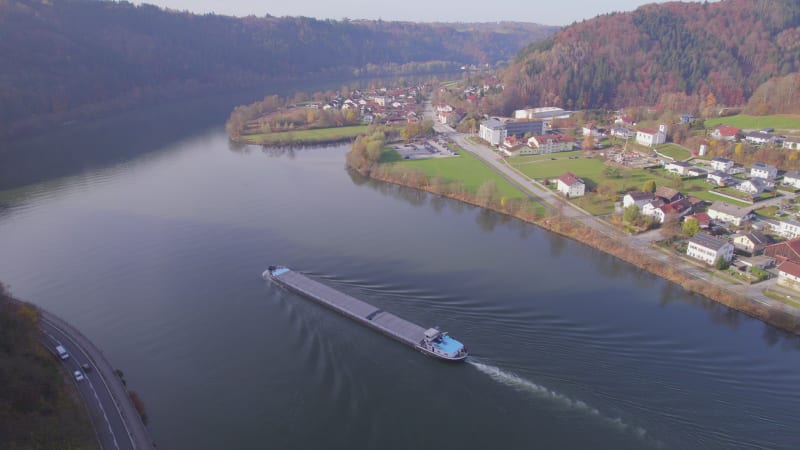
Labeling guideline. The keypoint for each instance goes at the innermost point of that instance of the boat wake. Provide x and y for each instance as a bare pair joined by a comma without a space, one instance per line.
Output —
521,384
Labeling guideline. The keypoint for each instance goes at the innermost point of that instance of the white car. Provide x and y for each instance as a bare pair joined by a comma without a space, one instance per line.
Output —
78,375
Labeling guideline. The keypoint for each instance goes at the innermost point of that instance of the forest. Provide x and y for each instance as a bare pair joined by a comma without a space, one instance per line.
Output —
69,59
689,50
36,408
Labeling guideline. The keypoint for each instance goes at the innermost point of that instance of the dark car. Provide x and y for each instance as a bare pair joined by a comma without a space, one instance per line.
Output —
86,367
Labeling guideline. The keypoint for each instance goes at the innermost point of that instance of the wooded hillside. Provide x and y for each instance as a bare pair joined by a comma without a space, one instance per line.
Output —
72,55
726,49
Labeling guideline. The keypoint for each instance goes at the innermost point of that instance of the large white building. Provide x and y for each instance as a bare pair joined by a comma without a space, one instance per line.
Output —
709,249
765,171
728,213
493,131
551,143
650,137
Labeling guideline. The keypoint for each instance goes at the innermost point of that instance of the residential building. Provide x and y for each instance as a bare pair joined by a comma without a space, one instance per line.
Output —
725,212
792,179
709,249
725,133
651,136
702,219
784,251
551,143
696,172
667,194
753,242
791,143
678,167
790,229
765,171
759,138
674,210
789,274
570,185
687,118
722,164
622,132
753,186
591,130
649,208
719,178
637,198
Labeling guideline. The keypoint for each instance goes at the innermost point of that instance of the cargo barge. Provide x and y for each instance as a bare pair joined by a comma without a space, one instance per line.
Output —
430,341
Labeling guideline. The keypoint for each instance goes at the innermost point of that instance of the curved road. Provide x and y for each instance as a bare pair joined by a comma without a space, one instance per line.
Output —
115,420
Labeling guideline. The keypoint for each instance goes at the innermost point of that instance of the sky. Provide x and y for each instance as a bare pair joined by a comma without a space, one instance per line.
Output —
562,12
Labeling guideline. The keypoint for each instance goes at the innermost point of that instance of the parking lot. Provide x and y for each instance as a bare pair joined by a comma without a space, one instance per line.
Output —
431,148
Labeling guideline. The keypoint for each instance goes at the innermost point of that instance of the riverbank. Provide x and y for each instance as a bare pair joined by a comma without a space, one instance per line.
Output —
577,231
315,136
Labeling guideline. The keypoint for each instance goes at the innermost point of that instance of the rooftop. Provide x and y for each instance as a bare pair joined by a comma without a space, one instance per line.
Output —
790,268
731,210
569,179
708,241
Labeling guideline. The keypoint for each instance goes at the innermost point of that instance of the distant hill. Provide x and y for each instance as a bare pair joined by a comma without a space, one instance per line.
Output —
63,56
688,50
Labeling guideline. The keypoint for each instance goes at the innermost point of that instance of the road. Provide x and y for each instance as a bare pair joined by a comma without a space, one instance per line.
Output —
642,243
116,422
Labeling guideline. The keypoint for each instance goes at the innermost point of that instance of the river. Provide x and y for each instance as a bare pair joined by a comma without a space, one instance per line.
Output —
157,258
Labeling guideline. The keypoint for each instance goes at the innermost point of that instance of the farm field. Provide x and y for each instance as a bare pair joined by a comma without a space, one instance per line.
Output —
778,121
465,168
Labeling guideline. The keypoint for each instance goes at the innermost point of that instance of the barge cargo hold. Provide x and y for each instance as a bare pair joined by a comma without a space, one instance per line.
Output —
430,341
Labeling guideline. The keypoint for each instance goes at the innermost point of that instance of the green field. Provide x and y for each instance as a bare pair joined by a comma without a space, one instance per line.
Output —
314,136
465,168
528,158
779,122
675,152
590,169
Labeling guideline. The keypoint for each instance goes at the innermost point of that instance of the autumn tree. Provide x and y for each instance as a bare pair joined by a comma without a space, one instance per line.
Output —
487,193
690,226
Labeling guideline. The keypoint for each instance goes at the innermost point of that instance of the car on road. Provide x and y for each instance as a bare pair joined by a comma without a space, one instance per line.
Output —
78,375
86,368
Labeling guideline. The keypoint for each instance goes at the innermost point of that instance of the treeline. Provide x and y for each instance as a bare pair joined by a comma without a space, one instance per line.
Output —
776,96
35,409
723,49
69,58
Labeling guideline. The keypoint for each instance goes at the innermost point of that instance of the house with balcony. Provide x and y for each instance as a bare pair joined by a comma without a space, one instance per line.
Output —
722,164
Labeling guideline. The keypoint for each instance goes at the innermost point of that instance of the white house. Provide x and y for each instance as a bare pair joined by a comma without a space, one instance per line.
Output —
678,167
622,132
649,208
717,177
765,171
759,138
753,242
792,179
791,143
651,136
722,164
725,212
676,209
570,185
551,143
591,130
709,249
789,229
753,186
696,172
637,198
724,133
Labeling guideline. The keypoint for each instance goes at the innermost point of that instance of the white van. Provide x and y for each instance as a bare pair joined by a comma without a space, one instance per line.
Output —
62,352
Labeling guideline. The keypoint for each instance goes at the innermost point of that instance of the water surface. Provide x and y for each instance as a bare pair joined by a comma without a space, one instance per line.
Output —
158,260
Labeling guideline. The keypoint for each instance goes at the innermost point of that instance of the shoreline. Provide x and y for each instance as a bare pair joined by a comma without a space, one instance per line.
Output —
621,250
